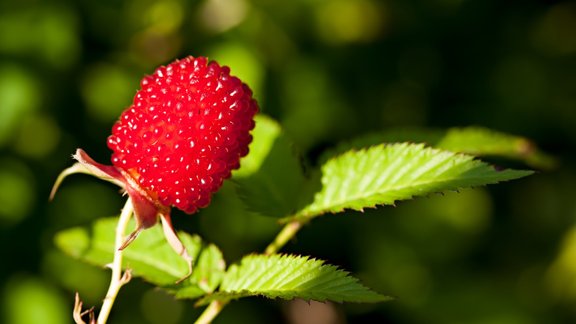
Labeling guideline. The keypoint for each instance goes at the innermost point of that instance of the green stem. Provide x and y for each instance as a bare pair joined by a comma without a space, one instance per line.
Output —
285,235
118,279
211,312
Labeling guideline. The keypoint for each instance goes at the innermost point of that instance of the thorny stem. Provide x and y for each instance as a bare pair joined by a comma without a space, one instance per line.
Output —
118,279
285,235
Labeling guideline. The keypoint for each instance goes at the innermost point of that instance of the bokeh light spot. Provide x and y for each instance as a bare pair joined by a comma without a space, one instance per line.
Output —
38,136
89,281
220,15
19,95
159,307
165,17
30,300
350,21
49,33
107,91
399,271
561,276
155,30
82,200
308,96
242,62
17,193
555,33
467,211
520,82
404,103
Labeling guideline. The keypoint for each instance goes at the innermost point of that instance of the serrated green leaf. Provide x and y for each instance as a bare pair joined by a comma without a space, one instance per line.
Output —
485,142
289,277
271,177
476,141
149,256
208,273
384,174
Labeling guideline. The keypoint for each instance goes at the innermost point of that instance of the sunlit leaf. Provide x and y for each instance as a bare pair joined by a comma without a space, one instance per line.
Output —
384,174
207,275
485,142
271,177
476,141
289,277
28,299
264,134
149,256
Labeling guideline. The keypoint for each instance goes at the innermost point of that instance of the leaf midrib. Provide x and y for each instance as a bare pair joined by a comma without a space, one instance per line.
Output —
343,202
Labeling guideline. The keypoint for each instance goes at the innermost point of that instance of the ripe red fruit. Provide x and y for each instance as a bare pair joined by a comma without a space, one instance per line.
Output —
185,132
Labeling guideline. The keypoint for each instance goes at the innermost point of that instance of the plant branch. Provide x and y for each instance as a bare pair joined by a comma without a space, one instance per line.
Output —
211,312
118,279
285,235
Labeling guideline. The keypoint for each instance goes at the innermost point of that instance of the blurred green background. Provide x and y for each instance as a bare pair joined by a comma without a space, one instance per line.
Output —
328,70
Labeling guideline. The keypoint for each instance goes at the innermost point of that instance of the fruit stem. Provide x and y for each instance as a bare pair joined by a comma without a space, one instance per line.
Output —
285,235
118,279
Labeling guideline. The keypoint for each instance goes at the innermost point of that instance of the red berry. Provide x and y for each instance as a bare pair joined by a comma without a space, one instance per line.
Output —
186,131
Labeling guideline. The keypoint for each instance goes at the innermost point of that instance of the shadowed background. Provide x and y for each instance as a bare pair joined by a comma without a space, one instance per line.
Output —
328,70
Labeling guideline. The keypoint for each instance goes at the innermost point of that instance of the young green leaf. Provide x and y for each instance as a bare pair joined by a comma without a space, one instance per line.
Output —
485,142
149,257
271,176
289,277
264,134
476,141
208,273
384,174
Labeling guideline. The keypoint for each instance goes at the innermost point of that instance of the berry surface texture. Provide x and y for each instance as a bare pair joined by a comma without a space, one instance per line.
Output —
185,132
